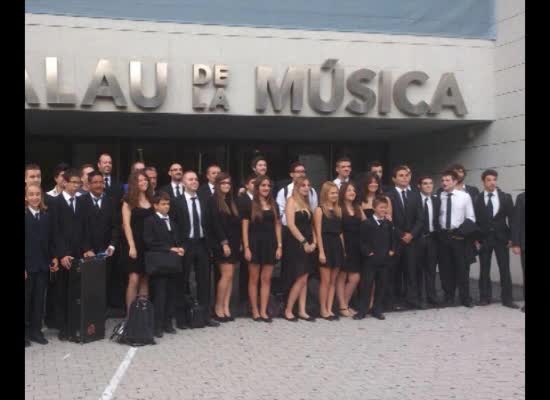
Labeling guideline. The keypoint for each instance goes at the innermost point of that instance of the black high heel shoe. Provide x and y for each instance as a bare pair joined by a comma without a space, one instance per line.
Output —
230,318
268,319
219,319
294,319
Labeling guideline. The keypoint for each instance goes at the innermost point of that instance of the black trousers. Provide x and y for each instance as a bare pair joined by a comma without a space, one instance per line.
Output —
502,253
522,256
117,280
59,293
164,290
426,265
453,267
370,275
404,275
35,290
196,256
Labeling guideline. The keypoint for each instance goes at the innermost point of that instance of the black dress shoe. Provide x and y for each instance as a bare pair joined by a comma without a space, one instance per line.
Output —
308,319
483,302
359,316
230,318
220,319
257,319
510,304
169,329
448,302
181,326
212,324
27,342
268,319
379,316
39,338
434,303
158,332
468,303
62,335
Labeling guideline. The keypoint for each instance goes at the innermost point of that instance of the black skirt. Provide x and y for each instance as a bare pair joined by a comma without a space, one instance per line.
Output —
334,251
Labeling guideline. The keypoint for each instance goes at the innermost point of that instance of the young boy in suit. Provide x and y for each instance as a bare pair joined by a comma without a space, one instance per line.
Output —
378,241
161,234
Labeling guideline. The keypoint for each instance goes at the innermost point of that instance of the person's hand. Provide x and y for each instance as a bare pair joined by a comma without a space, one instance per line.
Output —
388,217
407,238
110,251
247,254
132,253
391,253
309,248
25,274
477,244
322,258
54,266
509,244
516,250
279,253
226,250
175,250
66,262
89,253
241,190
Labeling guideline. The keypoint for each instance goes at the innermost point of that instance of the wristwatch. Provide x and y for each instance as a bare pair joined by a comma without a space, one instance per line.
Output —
303,242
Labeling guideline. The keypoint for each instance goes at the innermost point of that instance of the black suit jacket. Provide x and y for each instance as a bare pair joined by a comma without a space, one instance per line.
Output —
436,209
204,192
115,190
499,224
220,223
39,244
377,239
409,220
70,231
182,217
518,222
103,225
156,235
244,204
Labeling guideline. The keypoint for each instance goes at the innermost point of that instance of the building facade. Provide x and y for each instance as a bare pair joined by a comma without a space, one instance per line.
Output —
423,82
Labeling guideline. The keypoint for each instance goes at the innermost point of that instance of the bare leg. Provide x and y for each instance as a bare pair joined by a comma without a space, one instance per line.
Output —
221,289
253,276
302,300
229,288
341,294
293,295
265,287
332,289
323,291
353,281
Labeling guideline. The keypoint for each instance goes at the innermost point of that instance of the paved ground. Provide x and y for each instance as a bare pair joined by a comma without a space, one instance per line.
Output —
453,353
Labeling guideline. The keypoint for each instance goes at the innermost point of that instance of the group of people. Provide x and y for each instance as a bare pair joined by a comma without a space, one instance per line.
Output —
375,248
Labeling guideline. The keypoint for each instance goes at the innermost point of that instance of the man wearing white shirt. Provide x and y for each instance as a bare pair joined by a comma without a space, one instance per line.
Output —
456,209
58,173
175,187
343,169
207,189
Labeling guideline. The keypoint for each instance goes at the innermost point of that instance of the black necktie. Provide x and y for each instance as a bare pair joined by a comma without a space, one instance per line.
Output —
71,203
96,203
37,216
196,222
107,185
449,207
490,205
166,220
426,216
178,193
404,196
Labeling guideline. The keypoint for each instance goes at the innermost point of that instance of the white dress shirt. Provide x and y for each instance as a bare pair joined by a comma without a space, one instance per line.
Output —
107,179
462,209
33,211
494,200
211,187
250,195
378,220
281,200
67,197
166,220
99,200
407,194
53,192
174,185
339,182
190,207
430,210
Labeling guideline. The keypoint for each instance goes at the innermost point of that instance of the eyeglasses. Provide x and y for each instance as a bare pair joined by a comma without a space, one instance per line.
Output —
75,182
300,171
225,183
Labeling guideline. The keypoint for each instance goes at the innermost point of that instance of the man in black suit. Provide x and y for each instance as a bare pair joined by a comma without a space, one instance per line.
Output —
103,225
175,187
162,235
494,209
518,234
378,244
408,223
207,189
152,174
71,241
244,204
426,244
112,187
191,215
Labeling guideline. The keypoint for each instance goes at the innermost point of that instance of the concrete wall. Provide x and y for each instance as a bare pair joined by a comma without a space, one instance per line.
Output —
500,145
80,42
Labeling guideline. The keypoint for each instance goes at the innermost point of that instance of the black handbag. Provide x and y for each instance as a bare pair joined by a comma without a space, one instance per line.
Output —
162,262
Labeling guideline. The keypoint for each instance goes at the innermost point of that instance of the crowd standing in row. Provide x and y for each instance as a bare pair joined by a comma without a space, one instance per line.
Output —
384,243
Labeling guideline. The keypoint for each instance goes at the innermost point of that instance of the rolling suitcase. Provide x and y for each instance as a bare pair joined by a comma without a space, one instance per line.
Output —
86,300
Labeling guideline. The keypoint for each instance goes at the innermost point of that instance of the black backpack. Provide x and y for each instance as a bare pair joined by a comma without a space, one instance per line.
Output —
139,328
195,314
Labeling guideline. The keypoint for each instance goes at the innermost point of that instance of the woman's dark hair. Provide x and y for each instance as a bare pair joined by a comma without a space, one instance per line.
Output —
225,203
371,176
132,198
356,204
257,212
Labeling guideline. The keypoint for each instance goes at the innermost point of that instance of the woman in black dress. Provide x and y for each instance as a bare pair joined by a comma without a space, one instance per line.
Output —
327,220
352,215
226,241
136,206
262,242
300,248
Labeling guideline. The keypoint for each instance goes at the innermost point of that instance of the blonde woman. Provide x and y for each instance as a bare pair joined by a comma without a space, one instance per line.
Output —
327,220
300,248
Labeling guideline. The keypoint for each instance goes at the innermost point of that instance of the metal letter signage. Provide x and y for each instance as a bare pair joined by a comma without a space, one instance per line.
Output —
136,85
210,84
104,73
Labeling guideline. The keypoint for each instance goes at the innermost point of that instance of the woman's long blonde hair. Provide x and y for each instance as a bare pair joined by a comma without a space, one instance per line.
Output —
42,206
324,202
302,202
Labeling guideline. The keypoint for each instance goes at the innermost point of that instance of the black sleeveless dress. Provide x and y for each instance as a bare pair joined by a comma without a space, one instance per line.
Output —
139,214
369,212
331,228
298,261
351,226
262,239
